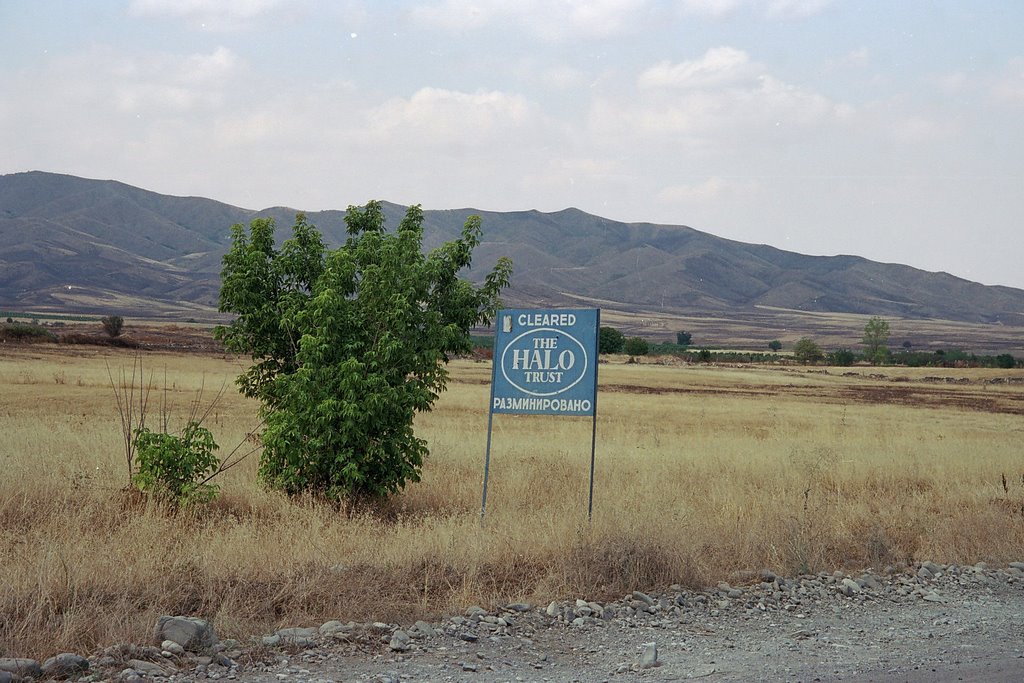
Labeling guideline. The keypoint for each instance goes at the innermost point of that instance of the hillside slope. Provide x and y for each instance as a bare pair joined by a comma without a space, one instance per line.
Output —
74,244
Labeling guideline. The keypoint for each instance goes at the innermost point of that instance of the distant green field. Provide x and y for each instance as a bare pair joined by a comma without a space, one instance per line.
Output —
16,315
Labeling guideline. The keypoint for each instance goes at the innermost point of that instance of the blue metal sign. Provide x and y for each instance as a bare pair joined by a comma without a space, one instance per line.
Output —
545,362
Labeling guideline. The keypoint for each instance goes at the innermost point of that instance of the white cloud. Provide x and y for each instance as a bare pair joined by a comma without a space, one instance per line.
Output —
562,77
711,190
854,59
553,21
722,99
435,116
776,9
1009,87
796,8
719,66
211,15
710,8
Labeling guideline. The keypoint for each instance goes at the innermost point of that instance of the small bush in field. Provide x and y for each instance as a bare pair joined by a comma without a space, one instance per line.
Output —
175,469
25,332
112,325
636,346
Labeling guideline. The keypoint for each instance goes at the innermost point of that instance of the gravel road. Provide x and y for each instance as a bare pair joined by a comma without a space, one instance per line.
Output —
927,622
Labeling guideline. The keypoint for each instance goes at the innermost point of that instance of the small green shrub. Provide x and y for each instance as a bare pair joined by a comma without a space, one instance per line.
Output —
636,346
175,468
610,340
23,332
842,357
112,325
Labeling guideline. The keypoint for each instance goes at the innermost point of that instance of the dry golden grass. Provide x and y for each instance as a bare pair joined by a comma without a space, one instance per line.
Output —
702,472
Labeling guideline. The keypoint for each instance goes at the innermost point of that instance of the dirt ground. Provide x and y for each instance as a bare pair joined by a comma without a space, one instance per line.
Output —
971,628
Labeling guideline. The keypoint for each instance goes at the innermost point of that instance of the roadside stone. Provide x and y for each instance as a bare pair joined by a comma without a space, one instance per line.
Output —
302,637
649,658
6,677
193,634
476,612
329,628
65,665
553,609
21,667
925,573
934,597
1017,565
849,587
424,629
400,641
172,647
643,597
519,607
145,668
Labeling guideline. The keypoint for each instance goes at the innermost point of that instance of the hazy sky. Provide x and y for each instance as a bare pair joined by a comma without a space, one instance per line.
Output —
891,129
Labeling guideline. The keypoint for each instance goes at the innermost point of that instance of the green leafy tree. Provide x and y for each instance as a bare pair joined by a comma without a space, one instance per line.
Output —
610,340
684,338
636,346
842,357
775,345
876,336
349,344
1005,361
806,350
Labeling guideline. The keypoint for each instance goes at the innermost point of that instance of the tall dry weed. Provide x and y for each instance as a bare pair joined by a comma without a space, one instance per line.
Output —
702,474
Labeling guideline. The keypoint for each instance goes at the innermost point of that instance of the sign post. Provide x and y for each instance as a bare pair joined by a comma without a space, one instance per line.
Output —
545,363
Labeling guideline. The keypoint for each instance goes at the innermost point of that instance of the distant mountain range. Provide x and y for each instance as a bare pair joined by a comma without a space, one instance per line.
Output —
99,246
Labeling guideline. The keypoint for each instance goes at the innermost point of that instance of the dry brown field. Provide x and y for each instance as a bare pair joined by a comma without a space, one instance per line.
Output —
703,474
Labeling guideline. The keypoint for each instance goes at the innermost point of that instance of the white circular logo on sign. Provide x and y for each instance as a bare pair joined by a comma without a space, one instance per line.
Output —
537,359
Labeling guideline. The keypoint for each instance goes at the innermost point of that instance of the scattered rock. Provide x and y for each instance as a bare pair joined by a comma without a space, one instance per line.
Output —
400,641
849,587
65,665
193,634
643,597
301,637
476,612
21,667
329,628
425,629
649,658
144,668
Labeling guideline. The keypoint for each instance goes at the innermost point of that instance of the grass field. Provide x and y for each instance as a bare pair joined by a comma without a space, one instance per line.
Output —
703,473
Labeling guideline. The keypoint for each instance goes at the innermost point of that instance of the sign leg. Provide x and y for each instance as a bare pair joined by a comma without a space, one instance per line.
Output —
487,466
